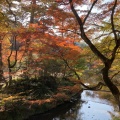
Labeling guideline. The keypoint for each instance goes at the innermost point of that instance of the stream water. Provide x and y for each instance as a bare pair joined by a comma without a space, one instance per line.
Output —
95,108
89,107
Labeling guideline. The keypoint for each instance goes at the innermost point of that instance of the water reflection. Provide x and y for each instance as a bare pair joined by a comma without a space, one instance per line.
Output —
68,111
90,107
95,108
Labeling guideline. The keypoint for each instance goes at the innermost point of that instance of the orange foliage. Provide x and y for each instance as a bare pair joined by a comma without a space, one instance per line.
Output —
76,88
61,97
40,102
46,39
72,89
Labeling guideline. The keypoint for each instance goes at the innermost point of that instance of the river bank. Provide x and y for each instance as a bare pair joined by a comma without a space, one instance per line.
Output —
68,102
20,107
90,106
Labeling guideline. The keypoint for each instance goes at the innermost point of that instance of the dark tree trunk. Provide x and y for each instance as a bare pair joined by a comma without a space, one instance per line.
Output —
33,3
1,64
11,65
113,88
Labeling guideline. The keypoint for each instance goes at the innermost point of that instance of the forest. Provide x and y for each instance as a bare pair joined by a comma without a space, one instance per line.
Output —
51,50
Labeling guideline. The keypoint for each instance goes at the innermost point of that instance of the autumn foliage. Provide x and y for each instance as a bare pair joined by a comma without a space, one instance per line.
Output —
44,38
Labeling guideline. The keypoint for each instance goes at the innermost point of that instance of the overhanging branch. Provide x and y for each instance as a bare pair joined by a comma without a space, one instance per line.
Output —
96,87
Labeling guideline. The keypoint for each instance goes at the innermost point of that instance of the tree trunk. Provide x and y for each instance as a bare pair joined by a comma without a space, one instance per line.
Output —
1,64
114,90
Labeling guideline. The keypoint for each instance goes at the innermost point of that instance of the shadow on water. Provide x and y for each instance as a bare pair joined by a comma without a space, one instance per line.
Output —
62,112
88,107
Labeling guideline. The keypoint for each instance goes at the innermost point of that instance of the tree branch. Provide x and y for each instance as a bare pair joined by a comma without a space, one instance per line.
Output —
9,64
97,87
89,11
85,38
9,4
115,75
112,21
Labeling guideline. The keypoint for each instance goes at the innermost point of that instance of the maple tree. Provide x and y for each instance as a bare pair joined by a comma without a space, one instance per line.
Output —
27,44
89,23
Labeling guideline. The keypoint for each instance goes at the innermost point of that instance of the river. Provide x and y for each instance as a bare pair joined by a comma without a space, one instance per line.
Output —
89,107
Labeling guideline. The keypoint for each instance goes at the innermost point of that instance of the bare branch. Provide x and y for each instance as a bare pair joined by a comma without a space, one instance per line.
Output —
112,21
9,4
9,63
102,35
89,11
97,87
115,75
